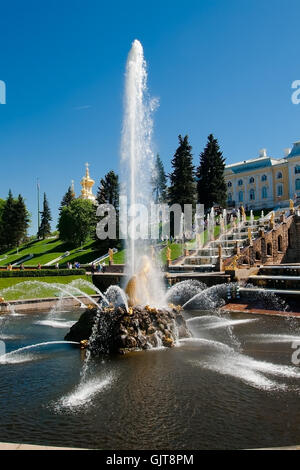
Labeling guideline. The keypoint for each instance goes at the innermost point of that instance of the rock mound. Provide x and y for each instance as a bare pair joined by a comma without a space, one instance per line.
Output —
114,330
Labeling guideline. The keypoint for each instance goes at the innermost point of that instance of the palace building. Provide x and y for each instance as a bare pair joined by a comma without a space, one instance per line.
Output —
264,182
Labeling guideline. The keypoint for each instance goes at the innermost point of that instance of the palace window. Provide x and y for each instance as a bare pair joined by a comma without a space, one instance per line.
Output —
279,175
264,193
229,184
279,190
241,196
229,197
297,169
252,195
251,180
240,182
297,184
264,178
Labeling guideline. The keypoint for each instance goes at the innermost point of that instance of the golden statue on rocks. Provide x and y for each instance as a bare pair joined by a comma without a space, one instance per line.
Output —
137,286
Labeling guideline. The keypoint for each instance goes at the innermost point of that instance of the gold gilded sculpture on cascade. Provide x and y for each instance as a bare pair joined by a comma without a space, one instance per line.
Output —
111,255
243,214
137,286
168,253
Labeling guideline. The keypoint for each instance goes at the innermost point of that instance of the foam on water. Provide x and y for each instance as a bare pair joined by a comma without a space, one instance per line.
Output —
56,323
271,338
258,374
208,342
84,393
18,358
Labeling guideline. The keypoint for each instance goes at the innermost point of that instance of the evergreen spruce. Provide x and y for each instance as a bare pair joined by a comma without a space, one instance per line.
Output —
45,227
67,199
108,191
159,182
211,186
8,239
14,222
182,188
22,220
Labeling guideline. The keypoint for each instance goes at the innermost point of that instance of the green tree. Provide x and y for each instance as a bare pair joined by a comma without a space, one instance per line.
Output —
14,221
77,222
182,188
211,186
22,220
8,239
108,190
159,182
45,227
67,199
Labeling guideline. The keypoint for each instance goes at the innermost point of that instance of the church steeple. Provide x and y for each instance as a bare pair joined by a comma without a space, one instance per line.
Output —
87,184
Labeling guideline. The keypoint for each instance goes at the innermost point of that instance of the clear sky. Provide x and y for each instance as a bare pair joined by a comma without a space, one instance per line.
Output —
220,66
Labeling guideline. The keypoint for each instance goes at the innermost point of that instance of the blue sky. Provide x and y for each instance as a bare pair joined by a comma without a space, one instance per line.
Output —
221,66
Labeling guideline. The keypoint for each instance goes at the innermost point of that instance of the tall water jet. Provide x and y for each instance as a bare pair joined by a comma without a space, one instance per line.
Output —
136,152
137,166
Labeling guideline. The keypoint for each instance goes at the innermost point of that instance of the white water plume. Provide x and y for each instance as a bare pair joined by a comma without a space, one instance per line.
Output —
137,165
84,393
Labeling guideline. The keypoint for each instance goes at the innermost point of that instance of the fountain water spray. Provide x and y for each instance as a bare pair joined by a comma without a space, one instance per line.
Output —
137,165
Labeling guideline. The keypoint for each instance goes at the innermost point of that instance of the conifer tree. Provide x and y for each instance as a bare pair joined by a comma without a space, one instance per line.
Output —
108,191
45,227
182,188
159,182
8,239
67,199
211,186
22,219
14,222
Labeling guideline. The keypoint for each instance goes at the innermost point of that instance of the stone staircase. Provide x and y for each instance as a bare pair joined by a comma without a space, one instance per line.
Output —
281,280
234,238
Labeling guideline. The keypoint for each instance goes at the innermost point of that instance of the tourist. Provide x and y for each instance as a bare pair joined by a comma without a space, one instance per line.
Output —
22,267
56,265
93,268
9,267
99,268
70,266
39,266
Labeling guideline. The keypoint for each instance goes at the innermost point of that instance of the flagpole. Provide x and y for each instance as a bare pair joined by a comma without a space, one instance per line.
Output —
38,201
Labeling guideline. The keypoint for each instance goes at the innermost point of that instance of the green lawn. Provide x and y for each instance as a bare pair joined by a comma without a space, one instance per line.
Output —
50,249
12,288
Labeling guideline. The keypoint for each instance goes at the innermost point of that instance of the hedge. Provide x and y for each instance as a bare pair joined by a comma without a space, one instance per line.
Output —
43,273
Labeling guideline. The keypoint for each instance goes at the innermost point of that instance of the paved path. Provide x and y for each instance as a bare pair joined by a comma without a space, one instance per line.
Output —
10,446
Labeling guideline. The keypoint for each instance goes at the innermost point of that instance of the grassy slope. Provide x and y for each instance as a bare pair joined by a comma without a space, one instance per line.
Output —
29,293
50,249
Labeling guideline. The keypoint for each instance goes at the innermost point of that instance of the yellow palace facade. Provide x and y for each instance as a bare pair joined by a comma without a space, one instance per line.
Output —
264,182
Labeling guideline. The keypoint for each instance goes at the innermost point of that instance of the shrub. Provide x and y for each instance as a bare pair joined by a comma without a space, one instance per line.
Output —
42,273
